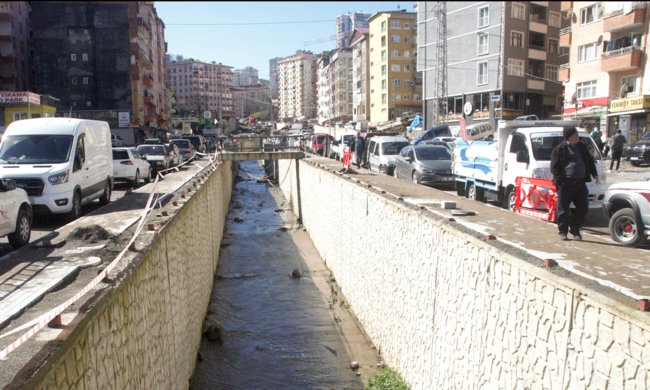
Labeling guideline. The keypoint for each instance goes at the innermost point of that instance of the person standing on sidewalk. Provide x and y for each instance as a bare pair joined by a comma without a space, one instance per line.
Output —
359,149
617,149
572,166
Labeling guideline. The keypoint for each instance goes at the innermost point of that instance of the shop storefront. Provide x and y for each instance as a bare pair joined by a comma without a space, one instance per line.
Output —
629,114
592,112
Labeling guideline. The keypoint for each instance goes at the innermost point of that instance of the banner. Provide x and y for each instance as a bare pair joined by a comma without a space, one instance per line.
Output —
8,97
463,128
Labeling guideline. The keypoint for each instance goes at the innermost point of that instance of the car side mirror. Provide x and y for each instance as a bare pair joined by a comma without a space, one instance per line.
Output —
408,158
522,157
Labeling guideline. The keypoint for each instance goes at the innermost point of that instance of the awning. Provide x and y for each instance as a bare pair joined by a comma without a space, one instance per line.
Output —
639,111
587,112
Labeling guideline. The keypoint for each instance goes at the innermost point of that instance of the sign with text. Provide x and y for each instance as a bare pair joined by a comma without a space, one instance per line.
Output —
123,119
14,97
631,103
112,117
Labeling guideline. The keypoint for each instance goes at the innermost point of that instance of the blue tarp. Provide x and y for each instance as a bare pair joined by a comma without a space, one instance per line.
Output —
417,121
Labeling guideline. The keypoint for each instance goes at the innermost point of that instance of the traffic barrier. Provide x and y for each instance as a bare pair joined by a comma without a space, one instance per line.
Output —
528,191
346,158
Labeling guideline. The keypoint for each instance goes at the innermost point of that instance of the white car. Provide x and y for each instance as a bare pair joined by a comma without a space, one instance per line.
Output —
15,214
129,165
627,206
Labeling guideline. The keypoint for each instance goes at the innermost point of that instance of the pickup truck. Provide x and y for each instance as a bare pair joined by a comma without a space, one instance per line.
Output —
487,170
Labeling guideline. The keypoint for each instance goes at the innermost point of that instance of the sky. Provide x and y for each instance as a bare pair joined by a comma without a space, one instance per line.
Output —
248,33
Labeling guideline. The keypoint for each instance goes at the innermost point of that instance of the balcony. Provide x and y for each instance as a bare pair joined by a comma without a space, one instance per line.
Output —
628,58
566,6
564,73
565,37
620,21
148,81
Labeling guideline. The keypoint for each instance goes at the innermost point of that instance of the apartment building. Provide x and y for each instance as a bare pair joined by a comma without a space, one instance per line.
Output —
502,60
395,85
360,80
245,76
341,65
345,26
249,99
101,60
324,100
273,76
14,52
604,75
297,79
201,86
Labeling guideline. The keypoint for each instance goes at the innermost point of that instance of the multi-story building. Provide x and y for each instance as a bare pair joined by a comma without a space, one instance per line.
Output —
245,76
324,89
502,59
201,86
395,86
345,26
273,76
604,75
249,99
360,79
341,65
297,76
101,60
14,52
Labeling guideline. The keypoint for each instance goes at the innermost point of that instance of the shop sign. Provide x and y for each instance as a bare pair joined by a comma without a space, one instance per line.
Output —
481,114
12,97
629,104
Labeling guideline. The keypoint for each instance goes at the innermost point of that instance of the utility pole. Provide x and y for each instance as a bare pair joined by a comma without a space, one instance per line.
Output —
440,108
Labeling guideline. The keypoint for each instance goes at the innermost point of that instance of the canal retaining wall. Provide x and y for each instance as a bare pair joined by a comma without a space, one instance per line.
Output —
448,309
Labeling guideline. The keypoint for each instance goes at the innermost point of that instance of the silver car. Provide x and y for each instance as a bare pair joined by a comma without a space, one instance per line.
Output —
425,164
627,206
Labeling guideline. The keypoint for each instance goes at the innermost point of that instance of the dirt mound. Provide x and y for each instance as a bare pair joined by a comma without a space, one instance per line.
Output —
90,234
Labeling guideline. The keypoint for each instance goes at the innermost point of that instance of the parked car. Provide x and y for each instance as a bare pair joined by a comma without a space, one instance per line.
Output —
438,131
175,155
450,141
627,206
156,155
383,150
198,142
425,164
129,165
639,152
16,223
185,146
116,140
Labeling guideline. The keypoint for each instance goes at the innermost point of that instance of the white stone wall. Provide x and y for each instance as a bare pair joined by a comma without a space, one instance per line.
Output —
145,333
448,310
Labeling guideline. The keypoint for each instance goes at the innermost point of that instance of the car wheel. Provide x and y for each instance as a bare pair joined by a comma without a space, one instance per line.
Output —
20,237
395,173
136,180
635,163
472,194
625,229
106,196
414,177
75,212
148,178
510,199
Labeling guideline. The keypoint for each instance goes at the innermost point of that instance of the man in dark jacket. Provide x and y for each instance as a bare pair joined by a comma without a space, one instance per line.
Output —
572,166
359,148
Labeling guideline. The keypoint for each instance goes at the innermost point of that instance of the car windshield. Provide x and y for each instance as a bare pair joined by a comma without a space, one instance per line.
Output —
120,155
392,148
181,143
194,140
154,150
646,136
35,149
429,154
543,144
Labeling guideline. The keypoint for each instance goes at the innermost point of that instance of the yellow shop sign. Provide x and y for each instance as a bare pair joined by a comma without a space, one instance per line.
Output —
629,104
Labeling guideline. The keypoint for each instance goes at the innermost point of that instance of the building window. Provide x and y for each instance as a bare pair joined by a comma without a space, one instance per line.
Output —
383,84
407,53
383,55
395,53
516,39
395,24
73,57
383,41
407,68
396,97
550,73
588,52
518,11
407,25
84,57
85,80
483,44
383,26
396,83
589,14
85,31
383,70
483,16
482,73
395,68
74,81
554,19
383,98
586,89
395,38
515,67
553,46
88,103
630,86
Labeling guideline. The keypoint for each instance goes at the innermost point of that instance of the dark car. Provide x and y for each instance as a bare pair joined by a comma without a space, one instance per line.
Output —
198,142
639,152
425,164
438,131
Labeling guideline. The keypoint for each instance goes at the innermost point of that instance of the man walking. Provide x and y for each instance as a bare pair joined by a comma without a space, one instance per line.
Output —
359,149
572,166
617,149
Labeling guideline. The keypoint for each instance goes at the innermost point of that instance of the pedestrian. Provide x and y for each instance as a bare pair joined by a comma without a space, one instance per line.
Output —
359,147
617,149
596,136
572,166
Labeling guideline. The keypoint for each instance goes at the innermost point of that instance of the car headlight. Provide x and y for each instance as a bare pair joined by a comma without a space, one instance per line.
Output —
59,178
426,170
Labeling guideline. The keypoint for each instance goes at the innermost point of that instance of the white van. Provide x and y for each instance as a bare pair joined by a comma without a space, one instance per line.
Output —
62,163
383,151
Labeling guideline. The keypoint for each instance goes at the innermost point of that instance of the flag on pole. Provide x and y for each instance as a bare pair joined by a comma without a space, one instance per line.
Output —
463,128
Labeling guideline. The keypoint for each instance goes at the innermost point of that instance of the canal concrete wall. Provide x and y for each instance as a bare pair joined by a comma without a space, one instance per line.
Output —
449,309
145,332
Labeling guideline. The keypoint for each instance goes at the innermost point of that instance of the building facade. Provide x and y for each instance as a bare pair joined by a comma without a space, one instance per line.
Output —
200,86
360,79
604,74
395,85
341,64
14,50
249,99
245,76
324,89
297,77
502,60
273,77
345,26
